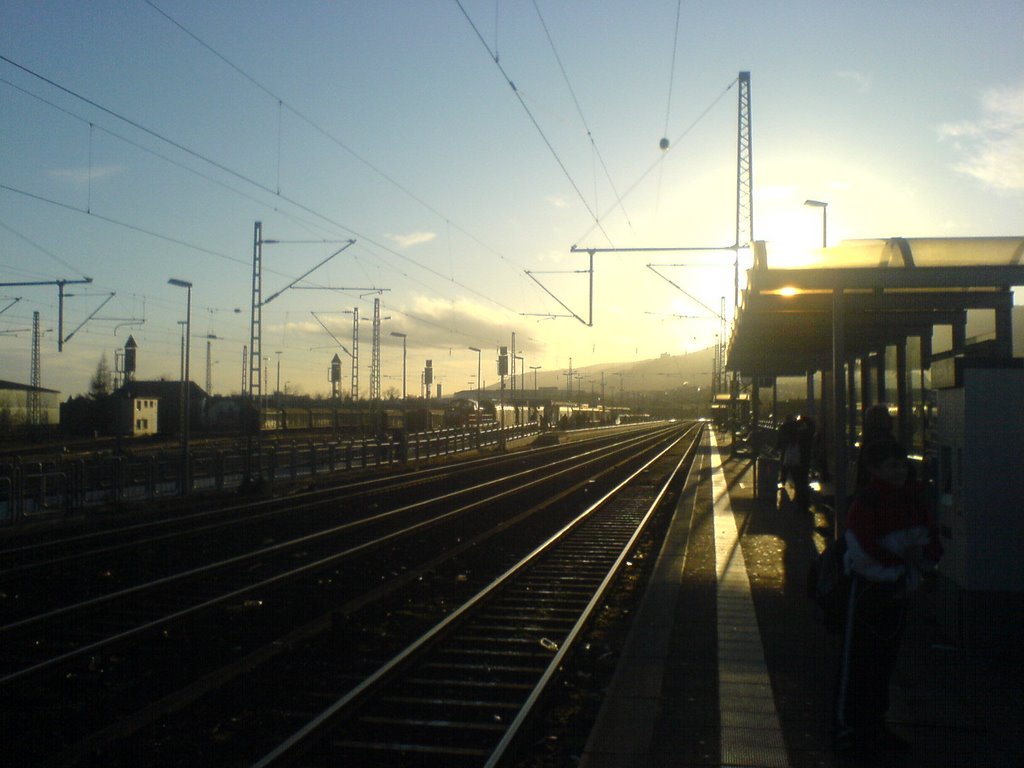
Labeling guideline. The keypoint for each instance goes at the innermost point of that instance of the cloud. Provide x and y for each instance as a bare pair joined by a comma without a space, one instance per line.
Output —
556,201
859,79
411,239
82,175
993,144
434,322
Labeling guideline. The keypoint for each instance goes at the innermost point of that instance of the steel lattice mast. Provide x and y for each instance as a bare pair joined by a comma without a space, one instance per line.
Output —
256,318
34,410
355,353
744,173
375,353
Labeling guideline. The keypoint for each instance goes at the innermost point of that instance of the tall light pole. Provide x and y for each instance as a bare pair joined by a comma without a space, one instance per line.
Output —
186,480
477,350
535,368
401,336
824,218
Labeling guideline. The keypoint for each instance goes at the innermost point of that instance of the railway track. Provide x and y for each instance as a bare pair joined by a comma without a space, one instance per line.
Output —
43,574
462,693
116,663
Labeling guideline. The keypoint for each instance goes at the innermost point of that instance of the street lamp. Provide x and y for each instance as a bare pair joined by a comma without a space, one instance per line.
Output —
477,350
186,480
401,336
824,218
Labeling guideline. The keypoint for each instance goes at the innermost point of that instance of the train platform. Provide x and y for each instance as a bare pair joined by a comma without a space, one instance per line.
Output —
726,664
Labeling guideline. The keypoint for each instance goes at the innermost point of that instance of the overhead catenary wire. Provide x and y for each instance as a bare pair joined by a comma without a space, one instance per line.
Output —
554,153
236,174
124,224
41,249
671,80
672,68
330,137
169,160
661,157
579,111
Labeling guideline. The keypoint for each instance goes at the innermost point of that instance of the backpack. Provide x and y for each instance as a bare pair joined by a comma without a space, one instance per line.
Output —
828,586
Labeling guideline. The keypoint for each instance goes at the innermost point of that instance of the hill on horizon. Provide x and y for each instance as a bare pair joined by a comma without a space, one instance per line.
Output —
669,371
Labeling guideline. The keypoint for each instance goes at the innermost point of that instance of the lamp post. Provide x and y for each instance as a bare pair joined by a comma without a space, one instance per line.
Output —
186,480
477,350
824,218
401,336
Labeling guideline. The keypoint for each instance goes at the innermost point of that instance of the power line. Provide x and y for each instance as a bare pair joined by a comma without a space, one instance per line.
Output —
169,160
231,172
126,225
40,248
326,134
662,156
672,68
579,110
547,142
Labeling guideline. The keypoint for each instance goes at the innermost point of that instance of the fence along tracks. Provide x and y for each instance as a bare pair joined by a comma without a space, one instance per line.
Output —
116,616
59,573
71,646
462,692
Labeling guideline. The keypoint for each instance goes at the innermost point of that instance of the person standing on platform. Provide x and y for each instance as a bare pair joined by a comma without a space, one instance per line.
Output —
795,446
801,473
891,542
876,424
788,446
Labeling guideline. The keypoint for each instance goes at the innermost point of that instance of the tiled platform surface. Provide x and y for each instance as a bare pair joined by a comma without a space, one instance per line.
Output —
727,666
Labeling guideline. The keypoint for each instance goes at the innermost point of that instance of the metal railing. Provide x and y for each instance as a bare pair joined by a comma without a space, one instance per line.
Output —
65,485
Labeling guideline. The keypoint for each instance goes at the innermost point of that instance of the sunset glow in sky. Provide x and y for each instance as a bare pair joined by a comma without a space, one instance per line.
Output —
142,140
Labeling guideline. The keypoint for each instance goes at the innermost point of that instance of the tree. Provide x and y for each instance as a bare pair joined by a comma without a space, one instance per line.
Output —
99,384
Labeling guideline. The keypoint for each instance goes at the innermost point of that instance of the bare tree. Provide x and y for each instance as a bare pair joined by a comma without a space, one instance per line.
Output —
99,384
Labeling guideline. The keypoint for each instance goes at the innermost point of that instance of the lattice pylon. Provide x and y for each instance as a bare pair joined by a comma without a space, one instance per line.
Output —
34,408
375,353
256,318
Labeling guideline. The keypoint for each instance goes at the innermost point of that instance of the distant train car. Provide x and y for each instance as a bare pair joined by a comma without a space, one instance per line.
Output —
388,422
588,416
506,415
321,418
295,418
271,419
618,414
425,419
350,420
462,413
559,414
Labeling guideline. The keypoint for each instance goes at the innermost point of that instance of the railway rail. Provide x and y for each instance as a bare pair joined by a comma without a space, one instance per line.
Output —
114,663
52,569
462,692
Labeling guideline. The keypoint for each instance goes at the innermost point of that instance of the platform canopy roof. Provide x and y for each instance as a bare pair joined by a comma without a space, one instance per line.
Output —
885,289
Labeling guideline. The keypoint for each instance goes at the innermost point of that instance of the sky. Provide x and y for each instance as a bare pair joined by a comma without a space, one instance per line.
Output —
466,146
